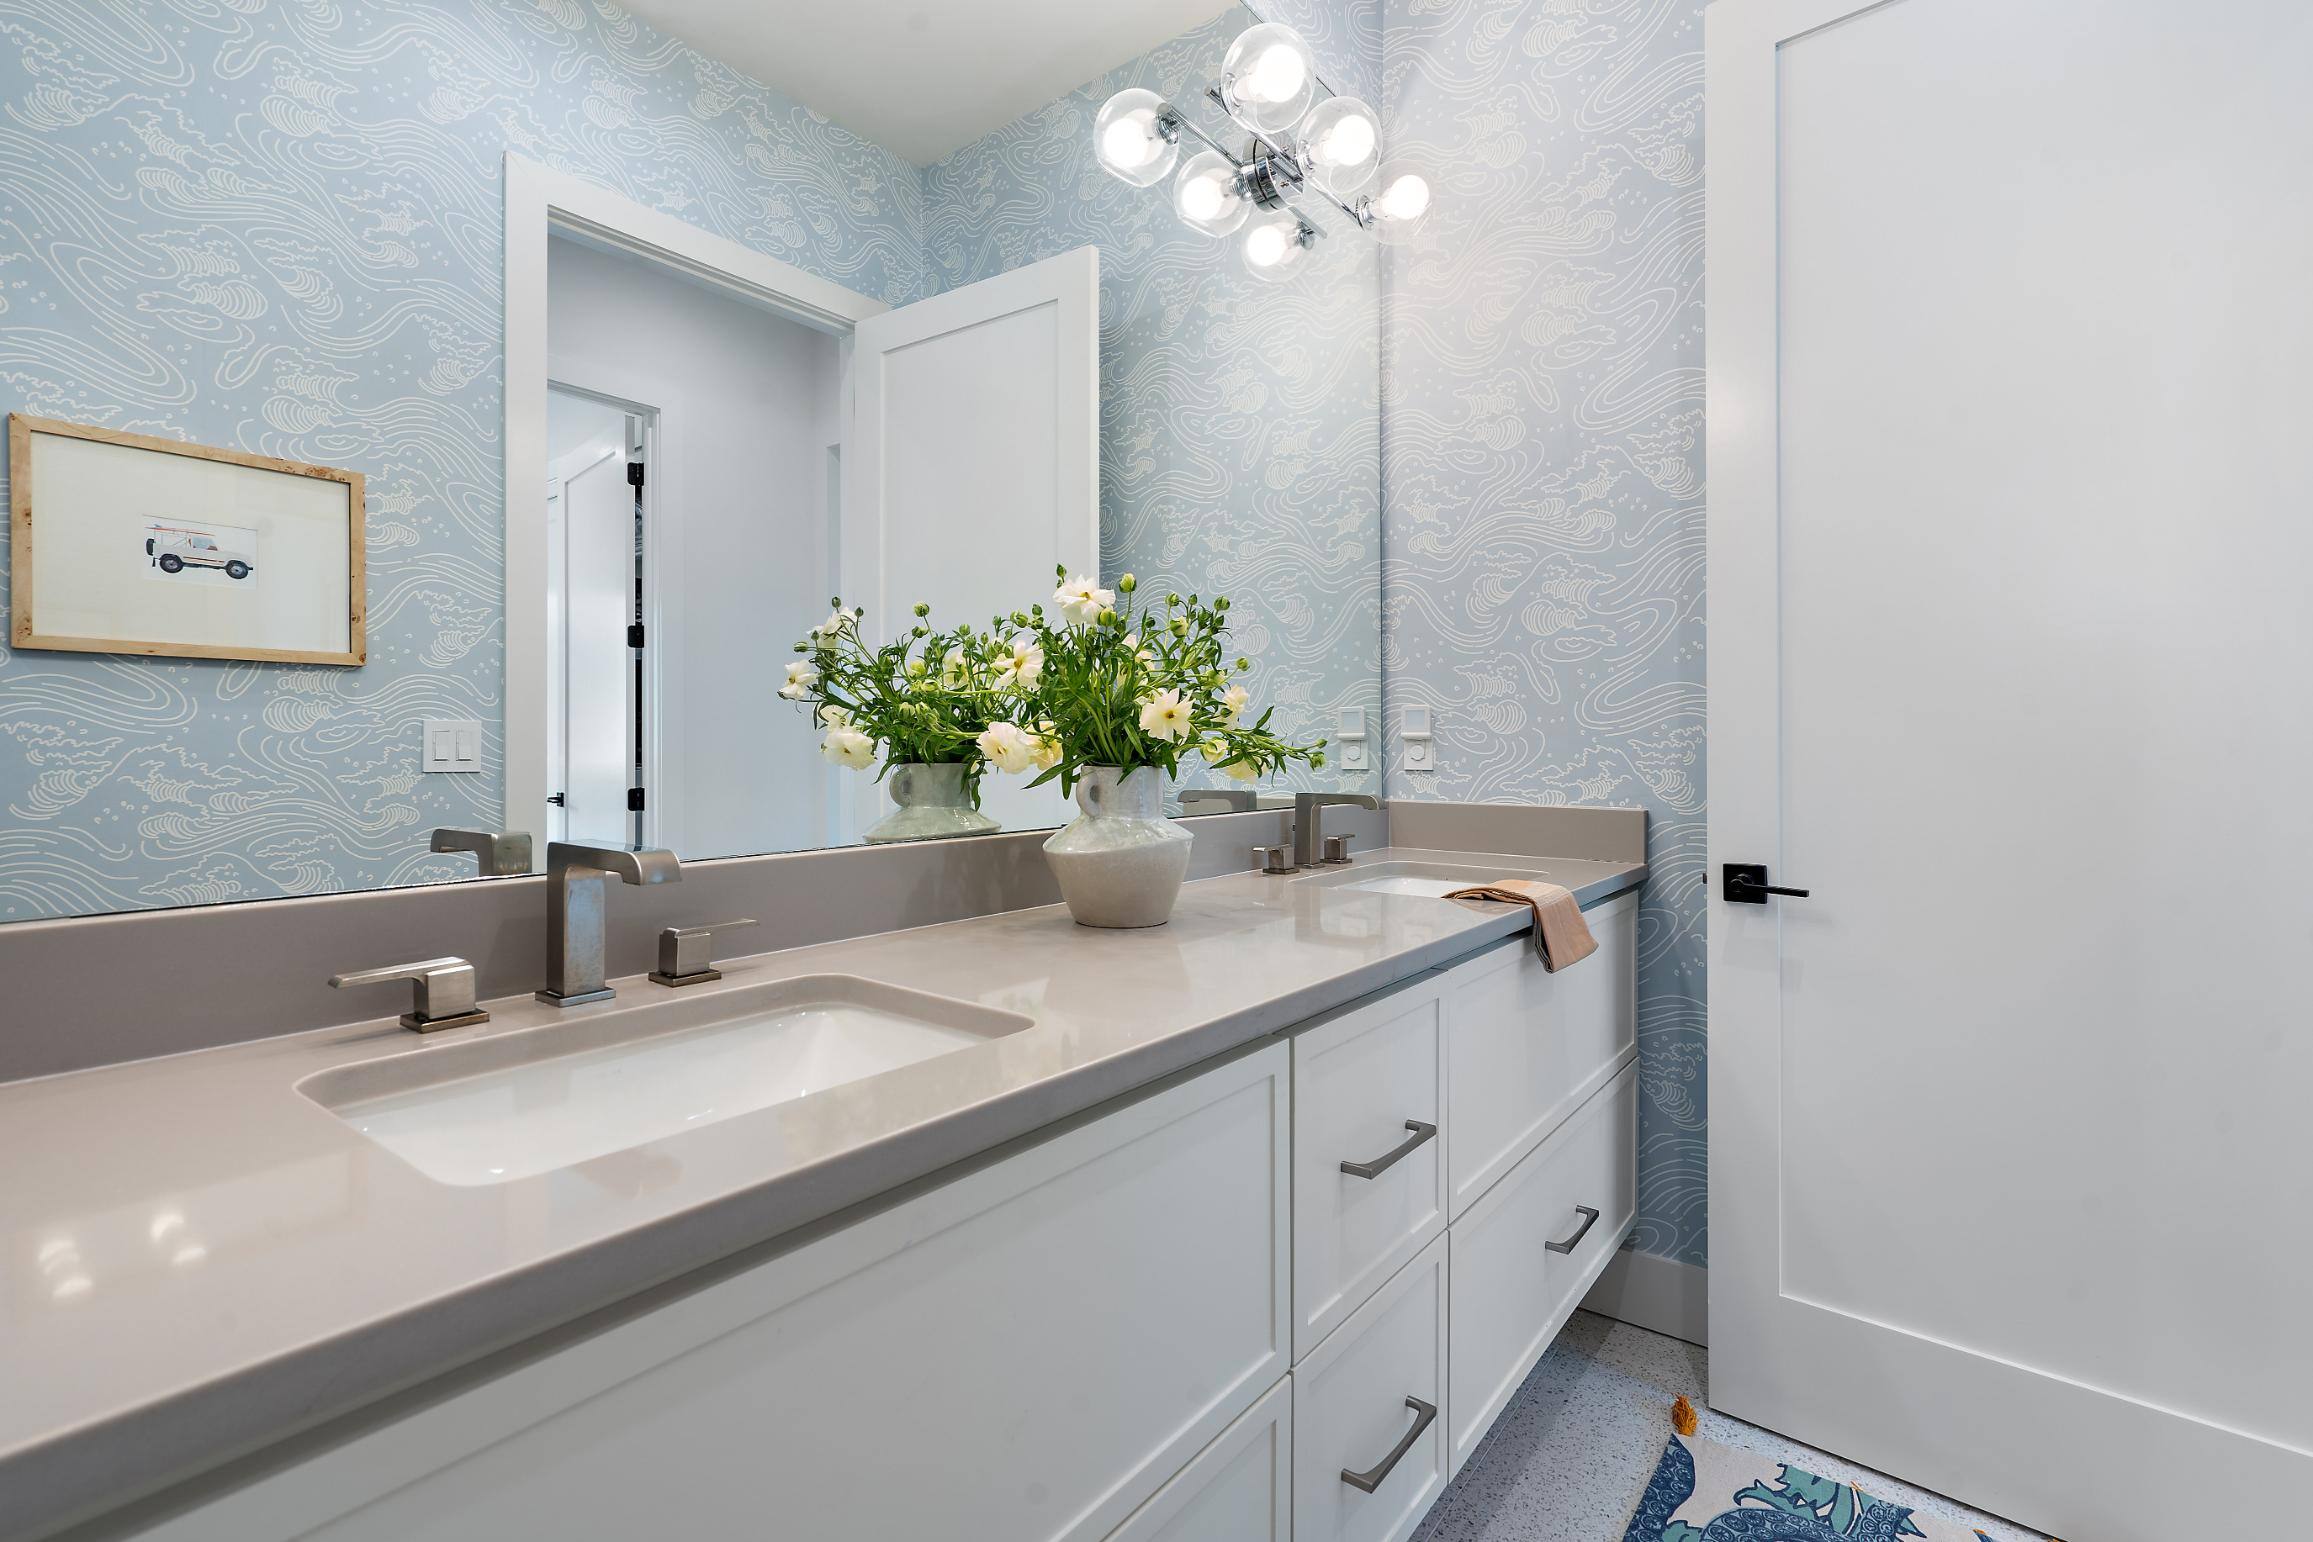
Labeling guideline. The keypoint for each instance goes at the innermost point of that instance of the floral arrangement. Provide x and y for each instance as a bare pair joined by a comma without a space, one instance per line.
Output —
927,697
1130,687
1098,680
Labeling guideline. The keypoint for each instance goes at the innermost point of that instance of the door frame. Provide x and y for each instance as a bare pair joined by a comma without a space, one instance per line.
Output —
2024,1429
542,203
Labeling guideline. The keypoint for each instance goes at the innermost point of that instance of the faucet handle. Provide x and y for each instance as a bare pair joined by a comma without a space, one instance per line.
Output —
1336,851
686,953
1274,859
444,992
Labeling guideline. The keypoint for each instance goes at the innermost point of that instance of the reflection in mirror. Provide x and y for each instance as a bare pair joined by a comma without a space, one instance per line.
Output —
917,339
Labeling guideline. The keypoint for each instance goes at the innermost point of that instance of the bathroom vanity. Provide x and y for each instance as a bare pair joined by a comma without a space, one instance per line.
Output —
1243,1227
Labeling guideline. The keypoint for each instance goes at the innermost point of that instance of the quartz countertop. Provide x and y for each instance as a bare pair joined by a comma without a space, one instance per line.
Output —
199,1260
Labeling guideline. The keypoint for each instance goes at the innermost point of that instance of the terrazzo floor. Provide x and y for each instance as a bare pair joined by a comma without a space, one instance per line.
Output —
1567,1458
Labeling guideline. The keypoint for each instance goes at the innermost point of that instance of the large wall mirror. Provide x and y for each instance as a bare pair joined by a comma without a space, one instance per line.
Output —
649,335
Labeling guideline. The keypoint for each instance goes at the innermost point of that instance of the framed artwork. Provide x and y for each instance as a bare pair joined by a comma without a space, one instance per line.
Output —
123,543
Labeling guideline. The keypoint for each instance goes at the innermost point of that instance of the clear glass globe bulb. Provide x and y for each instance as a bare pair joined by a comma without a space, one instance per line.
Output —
1401,205
1129,141
1273,246
1268,78
1207,196
1341,146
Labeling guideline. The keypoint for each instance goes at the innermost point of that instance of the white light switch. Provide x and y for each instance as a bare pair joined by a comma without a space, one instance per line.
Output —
1352,726
1415,724
452,744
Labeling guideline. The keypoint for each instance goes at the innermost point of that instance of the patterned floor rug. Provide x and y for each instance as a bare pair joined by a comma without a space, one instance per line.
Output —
1702,1491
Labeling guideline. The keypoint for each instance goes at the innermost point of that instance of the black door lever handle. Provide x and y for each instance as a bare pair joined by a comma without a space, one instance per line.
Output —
1745,883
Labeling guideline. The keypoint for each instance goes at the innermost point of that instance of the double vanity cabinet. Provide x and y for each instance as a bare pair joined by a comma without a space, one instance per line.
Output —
1281,1294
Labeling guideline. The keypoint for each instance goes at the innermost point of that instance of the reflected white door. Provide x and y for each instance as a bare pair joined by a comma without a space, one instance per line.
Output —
974,465
598,723
2010,653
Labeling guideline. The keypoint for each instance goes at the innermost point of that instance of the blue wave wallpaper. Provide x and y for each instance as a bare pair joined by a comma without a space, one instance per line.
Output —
278,228
1240,419
1542,456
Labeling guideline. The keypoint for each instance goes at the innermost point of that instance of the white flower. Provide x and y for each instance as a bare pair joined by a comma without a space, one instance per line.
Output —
1236,701
801,677
1133,646
1082,601
1047,747
1165,716
1242,770
848,747
838,622
1023,666
1007,747
955,669
833,716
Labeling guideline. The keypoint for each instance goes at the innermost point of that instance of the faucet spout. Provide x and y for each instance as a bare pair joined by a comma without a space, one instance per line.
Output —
1308,820
577,890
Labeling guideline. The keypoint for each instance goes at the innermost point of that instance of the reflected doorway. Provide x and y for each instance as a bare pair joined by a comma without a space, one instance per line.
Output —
598,688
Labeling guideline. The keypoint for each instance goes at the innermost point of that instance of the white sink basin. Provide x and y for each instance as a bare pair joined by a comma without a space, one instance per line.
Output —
1431,880
520,1104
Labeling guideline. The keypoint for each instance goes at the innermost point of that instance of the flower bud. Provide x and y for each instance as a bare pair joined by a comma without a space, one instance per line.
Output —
1127,584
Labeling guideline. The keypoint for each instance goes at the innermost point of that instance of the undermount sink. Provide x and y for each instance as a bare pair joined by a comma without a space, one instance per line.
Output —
1431,880
525,1103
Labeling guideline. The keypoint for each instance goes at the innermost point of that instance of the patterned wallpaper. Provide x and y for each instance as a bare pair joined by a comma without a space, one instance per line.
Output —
1240,420
1543,464
277,227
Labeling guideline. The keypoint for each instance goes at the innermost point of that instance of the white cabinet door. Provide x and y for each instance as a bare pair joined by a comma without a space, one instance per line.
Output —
1028,1352
1368,1095
1369,1446
1525,1048
1239,1489
1525,1253
974,462
2010,644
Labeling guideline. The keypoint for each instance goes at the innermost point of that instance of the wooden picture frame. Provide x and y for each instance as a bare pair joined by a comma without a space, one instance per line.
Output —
212,592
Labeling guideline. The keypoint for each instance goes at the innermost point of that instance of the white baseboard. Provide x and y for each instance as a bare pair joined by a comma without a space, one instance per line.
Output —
1650,1291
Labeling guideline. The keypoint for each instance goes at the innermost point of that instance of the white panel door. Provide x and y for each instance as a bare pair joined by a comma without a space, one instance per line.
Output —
598,668
975,461
2009,666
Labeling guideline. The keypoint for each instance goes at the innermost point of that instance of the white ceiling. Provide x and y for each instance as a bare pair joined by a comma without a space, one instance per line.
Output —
923,78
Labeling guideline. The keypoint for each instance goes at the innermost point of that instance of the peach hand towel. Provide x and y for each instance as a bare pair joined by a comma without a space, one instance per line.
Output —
1561,936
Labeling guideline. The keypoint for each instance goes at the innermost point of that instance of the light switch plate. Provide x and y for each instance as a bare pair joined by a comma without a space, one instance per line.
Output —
451,744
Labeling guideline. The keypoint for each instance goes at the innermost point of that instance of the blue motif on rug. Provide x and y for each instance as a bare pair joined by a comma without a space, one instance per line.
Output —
1793,1506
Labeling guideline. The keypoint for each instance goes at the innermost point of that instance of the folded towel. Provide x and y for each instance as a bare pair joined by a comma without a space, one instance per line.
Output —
1561,936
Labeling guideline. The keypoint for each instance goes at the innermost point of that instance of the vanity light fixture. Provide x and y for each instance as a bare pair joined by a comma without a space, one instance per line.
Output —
1330,150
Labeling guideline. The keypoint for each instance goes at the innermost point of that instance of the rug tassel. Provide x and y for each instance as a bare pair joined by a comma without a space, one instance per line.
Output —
1683,1416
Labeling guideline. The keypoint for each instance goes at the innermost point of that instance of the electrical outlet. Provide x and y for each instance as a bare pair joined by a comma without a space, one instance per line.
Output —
451,744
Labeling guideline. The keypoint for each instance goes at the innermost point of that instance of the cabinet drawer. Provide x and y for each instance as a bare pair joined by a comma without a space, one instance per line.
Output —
1239,1489
1525,1047
1369,1094
1512,1290
1370,1403
1029,1351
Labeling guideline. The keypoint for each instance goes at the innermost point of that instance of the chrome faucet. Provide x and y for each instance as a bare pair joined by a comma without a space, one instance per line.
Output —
500,852
577,888
1307,820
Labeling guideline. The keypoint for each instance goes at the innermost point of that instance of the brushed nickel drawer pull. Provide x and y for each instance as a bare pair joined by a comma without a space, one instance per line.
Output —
1373,1477
1389,1159
1589,1219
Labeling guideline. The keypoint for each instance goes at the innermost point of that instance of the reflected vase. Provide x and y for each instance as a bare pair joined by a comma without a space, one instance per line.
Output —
934,805
1121,863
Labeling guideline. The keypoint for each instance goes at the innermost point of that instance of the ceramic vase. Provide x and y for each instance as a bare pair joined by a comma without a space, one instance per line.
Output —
934,805
1121,862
